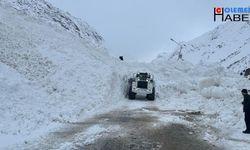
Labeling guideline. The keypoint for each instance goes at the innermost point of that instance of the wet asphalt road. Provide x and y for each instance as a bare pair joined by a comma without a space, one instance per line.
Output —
137,132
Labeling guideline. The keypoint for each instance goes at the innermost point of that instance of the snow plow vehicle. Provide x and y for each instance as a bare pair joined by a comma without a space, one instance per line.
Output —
141,84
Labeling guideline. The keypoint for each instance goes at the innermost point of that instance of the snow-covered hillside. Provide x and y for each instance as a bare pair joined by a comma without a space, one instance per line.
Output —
52,69
45,12
228,44
54,72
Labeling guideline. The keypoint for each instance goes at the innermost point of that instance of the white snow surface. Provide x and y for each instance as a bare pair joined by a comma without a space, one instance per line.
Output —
228,45
50,76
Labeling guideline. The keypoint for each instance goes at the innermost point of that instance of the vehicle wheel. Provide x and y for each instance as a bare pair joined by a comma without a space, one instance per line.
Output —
151,96
131,95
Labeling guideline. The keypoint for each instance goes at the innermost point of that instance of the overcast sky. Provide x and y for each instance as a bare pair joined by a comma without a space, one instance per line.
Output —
140,29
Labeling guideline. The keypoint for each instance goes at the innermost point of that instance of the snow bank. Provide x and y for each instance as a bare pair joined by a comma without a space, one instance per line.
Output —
210,81
48,75
214,92
210,87
211,90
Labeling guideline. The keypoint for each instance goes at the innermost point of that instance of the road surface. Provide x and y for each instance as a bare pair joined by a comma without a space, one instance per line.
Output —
137,129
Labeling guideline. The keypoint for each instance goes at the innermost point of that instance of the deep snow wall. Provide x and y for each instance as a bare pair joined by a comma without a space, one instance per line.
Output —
51,71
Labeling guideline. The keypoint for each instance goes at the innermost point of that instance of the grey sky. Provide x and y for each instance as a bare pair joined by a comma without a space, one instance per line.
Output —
140,29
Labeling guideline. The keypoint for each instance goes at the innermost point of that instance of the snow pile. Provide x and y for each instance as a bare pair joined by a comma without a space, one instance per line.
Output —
209,89
49,75
15,92
210,81
214,92
171,77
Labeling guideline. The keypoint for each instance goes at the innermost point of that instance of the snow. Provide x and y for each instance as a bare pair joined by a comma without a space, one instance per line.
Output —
211,90
90,135
227,45
45,12
50,76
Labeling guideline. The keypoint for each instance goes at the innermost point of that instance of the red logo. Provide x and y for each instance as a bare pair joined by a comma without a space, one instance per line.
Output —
218,10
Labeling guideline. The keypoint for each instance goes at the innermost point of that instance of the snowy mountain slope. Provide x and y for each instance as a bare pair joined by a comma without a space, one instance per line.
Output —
228,44
48,74
40,9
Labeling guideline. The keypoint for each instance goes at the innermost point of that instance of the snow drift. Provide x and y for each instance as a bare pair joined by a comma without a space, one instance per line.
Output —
53,69
209,89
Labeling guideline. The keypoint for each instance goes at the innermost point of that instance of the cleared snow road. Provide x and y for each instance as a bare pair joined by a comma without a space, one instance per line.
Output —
137,129
139,133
